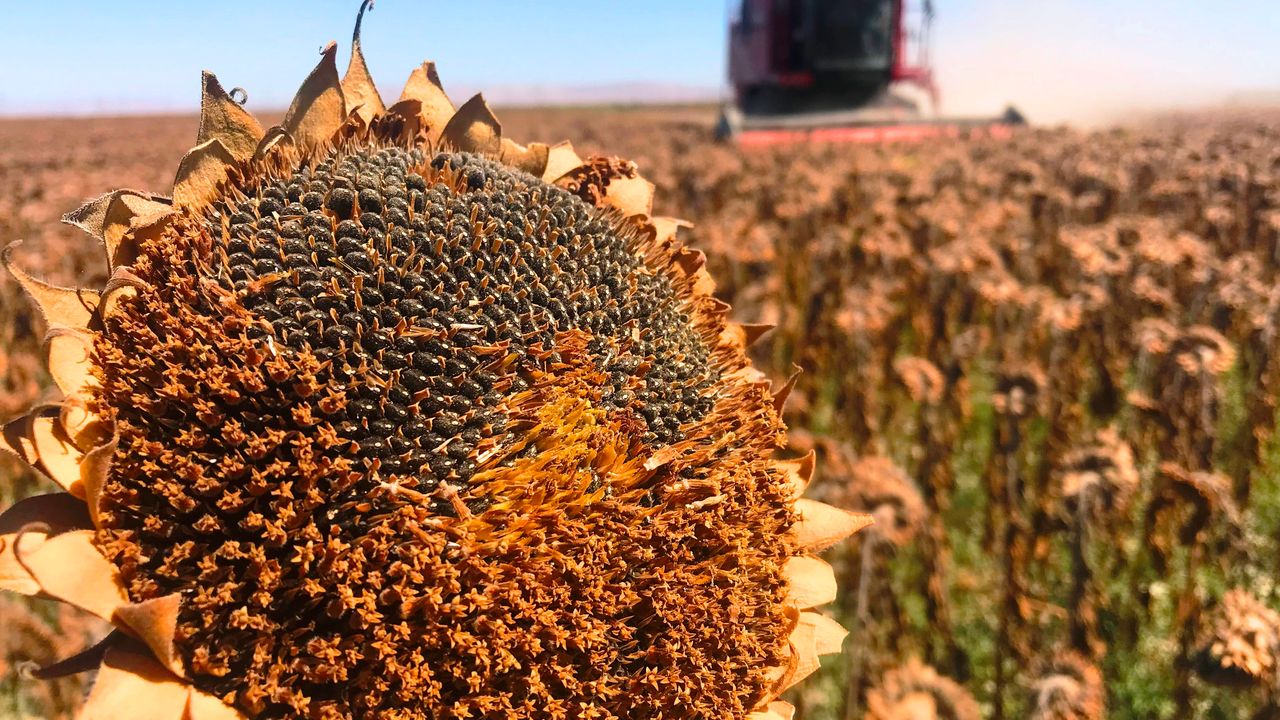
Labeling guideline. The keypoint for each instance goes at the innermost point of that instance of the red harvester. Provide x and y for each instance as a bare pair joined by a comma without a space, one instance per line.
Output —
837,70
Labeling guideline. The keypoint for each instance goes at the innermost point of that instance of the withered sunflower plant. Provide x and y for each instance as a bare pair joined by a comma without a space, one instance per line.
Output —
382,414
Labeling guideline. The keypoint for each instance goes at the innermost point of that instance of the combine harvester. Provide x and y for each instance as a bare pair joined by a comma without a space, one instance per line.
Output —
837,71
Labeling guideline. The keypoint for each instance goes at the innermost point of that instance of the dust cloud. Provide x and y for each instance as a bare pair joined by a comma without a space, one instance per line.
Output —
1065,62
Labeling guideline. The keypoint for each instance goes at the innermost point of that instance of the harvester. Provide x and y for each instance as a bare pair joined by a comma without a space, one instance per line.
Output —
837,70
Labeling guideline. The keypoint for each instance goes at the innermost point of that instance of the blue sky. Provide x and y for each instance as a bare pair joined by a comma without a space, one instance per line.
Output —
1053,57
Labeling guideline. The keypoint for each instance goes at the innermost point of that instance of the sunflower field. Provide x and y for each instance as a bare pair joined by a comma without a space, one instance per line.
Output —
1047,366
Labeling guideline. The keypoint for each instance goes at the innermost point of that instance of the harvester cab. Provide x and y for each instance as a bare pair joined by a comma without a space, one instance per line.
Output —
844,70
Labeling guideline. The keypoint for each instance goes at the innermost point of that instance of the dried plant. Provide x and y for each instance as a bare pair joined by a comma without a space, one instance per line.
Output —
1240,644
916,691
1068,687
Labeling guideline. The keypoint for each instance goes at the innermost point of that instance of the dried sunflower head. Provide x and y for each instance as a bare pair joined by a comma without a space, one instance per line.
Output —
382,414
1202,350
1240,644
923,380
1098,480
1019,390
1069,687
916,691
1186,503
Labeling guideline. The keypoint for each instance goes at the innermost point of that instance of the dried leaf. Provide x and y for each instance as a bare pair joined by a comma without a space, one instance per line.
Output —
41,515
222,119
666,228
16,440
93,473
84,661
81,425
275,137
203,706
804,646
61,307
59,457
358,89
473,128
122,286
633,196
798,472
155,621
780,397
754,331
108,218
68,355
561,159
133,686
68,567
318,110
200,173
776,710
828,634
435,108
810,582
531,159
820,525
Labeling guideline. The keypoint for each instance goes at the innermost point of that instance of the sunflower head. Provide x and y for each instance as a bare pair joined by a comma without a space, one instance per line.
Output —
1240,644
1097,481
382,414
916,691
1020,389
922,379
1068,687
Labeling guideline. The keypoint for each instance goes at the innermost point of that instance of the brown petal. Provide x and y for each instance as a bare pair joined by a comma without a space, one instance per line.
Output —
84,661
810,582
754,331
68,567
804,646
743,336
109,218
633,196
276,137
129,220
93,473
531,159
59,457
318,110
776,710
473,128
61,307
222,119
122,285
813,636
81,425
820,525
200,172
68,357
15,438
561,159
828,635
202,706
780,397
424,87
52,514
133,686
358,89
798,472
665,228
154,622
